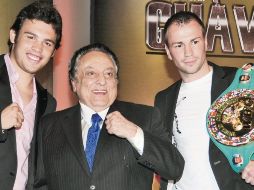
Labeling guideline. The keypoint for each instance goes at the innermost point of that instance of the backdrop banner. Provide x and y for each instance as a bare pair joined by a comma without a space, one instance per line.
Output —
134,30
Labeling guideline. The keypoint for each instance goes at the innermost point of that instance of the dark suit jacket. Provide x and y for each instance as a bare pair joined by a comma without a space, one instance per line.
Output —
166,100
117,165
8,155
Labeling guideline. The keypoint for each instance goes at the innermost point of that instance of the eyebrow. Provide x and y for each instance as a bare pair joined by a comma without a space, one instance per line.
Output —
108,68
174,43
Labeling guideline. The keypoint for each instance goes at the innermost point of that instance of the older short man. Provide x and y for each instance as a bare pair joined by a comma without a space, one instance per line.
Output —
102,143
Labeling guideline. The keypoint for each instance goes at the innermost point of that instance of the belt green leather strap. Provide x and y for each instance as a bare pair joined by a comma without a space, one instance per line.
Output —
230,119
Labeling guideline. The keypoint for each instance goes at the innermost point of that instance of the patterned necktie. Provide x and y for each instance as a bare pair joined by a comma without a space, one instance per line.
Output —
91,141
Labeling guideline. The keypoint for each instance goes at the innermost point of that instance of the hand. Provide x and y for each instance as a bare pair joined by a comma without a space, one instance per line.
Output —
118,125
12,116
248,173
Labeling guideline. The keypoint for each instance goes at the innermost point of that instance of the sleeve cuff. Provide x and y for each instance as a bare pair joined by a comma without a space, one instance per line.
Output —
138,141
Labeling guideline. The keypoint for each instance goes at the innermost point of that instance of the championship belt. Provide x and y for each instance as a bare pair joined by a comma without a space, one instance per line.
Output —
230,119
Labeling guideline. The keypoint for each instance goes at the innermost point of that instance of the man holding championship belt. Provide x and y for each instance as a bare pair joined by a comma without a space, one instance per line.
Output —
184,107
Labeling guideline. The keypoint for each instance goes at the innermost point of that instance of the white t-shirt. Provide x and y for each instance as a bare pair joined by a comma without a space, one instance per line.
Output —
191,137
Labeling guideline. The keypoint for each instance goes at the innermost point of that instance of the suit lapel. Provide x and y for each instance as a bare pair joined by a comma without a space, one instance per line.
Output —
41,102
219,83
171,105
71,125
40,109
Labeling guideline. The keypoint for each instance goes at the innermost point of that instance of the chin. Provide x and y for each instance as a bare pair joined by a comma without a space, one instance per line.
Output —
100,105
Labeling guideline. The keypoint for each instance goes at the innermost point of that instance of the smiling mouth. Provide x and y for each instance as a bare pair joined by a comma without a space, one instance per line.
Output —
99,92
33,57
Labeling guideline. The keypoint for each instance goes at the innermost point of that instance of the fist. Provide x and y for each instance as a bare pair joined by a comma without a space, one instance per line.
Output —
12,116
118,125
248,173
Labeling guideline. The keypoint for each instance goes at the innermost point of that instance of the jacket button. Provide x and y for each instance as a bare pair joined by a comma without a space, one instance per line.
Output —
92,187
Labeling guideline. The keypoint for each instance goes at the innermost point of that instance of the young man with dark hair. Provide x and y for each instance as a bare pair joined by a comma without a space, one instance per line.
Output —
34,37
184,106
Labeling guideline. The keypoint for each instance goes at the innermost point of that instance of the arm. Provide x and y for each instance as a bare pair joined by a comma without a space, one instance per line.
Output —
158,153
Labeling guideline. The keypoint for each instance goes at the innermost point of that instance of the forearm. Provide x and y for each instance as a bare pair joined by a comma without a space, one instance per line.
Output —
159,153
161,156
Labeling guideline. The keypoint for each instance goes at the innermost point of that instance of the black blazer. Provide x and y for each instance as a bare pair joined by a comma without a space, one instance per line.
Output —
166,100
8,155
117,165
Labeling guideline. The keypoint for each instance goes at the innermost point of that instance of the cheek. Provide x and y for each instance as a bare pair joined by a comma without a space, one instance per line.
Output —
176,53
177,57
79,85
201,49
85,87
48,54
113,91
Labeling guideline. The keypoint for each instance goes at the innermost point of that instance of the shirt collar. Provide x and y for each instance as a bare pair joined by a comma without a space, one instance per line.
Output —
13,74
87,112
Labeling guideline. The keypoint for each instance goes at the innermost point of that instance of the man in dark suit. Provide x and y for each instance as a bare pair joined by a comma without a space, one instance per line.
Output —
34,36
131,144
184,105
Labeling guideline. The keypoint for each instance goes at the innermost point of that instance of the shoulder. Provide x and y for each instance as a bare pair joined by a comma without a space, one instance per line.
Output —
54,121
134,110
139,114
123,105
64,112
45,97
51,99
224,71
174,88
229,70
2,64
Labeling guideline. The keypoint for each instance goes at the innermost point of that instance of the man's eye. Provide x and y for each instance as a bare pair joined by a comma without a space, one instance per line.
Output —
109,74
90,74
178,45
30,37
50,44
195,42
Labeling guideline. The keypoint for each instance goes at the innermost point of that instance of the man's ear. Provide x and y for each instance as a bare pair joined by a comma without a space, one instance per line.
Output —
12,36
73,84
53,53
168,52
205,43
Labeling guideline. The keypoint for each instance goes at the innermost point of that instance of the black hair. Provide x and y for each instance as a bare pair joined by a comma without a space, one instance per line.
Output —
41,11
182,17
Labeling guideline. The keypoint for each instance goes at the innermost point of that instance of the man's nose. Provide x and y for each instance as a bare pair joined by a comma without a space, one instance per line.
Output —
188,50
37,46
101,79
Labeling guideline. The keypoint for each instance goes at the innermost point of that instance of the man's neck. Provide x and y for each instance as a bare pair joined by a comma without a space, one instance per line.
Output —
26,91
195,76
